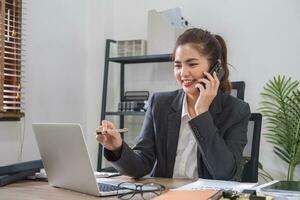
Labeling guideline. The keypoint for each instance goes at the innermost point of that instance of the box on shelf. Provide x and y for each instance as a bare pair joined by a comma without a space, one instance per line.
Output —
131,48
163,29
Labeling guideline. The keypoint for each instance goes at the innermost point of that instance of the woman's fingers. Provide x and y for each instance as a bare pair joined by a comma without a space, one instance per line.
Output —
212,78
200,87
99,129
100,138
215,76
110,132
109,137
217,81
207,83
109,142
211,82
209,76
107,124
104,125
105,140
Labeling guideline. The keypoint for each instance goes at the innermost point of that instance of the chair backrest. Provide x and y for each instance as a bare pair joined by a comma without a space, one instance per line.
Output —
251,151
238,87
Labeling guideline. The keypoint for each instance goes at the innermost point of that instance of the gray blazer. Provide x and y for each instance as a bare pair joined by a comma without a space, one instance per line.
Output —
221,135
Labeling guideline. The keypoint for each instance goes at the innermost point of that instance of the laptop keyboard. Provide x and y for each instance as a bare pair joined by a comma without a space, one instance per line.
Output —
106,187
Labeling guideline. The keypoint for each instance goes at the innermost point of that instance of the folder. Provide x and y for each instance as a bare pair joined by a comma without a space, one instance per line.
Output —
34,165
10,178
19,171
191,195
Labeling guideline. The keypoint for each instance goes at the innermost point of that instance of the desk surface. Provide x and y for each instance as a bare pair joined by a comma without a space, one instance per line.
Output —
37,190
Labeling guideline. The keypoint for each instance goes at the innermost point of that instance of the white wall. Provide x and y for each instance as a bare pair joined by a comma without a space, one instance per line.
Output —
98,27
55,70
64,56
65,52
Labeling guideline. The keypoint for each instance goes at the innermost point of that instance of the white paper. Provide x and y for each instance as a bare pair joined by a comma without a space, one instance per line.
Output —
106,174
217,184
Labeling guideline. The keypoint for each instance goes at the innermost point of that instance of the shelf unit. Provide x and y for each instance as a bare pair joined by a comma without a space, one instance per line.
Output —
122,61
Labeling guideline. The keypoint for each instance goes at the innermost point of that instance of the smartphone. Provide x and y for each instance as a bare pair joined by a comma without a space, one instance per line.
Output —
219,70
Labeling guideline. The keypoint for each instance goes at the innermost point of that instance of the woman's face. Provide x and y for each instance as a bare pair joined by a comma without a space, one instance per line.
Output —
189,66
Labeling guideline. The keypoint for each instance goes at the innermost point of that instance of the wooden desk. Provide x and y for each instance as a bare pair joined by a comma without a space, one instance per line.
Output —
37,190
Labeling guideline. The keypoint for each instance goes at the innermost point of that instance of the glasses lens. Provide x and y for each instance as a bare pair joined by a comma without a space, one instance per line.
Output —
151,190
126,190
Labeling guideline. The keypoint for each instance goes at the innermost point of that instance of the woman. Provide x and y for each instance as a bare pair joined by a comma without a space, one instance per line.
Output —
196,131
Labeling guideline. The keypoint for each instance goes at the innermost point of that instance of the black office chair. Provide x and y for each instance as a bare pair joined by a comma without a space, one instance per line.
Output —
239,87
251,151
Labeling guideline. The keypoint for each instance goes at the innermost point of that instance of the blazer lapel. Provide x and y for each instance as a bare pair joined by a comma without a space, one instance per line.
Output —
174,120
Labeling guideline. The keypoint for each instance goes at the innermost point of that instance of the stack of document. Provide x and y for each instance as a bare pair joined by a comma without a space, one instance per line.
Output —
106,174
218,185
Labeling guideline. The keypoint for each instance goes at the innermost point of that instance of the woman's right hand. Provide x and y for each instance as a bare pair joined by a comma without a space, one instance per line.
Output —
109,138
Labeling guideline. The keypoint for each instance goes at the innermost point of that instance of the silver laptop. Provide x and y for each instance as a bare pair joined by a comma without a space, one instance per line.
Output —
67,162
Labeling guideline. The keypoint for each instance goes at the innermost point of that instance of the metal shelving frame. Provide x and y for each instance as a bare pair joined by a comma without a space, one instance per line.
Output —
122,61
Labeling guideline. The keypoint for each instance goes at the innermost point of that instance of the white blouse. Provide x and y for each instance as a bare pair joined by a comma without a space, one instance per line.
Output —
186,154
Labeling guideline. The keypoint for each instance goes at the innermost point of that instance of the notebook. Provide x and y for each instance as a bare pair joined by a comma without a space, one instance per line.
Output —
67,162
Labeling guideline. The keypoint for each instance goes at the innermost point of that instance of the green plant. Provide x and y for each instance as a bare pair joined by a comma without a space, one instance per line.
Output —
264,174
281,109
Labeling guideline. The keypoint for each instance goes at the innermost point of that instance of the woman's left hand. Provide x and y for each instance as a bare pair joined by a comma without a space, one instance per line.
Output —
207,93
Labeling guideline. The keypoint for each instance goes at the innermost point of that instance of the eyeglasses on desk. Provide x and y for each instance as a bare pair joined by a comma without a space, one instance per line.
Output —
127,190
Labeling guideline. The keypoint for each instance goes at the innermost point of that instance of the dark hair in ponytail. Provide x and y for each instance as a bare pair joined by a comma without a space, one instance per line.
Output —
213,47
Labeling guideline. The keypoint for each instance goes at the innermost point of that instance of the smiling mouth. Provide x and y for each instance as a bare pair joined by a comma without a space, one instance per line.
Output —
187,83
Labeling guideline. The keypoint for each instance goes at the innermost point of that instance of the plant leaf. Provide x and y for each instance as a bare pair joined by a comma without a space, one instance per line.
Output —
281,109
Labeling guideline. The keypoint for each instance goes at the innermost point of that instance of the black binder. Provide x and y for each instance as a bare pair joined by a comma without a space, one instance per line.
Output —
19,171
20,167
10,178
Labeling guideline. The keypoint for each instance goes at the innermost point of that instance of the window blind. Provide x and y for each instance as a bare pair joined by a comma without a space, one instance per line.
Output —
11,93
